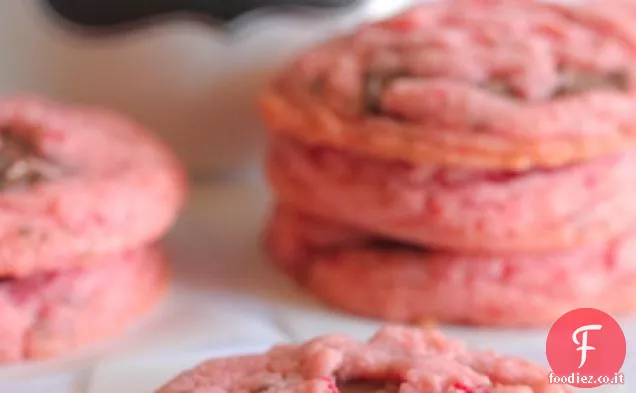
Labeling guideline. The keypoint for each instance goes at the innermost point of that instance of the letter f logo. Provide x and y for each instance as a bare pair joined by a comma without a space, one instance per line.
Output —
583,344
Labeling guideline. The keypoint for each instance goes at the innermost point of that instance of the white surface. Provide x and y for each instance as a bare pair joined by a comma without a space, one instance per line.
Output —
226,297
192,83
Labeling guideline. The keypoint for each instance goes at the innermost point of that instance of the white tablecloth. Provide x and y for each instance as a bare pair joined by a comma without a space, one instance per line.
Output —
226,299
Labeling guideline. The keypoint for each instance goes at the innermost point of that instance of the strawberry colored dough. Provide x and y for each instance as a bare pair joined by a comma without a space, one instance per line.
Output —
499,84
475,210
395,359
77,182
376,277
52,314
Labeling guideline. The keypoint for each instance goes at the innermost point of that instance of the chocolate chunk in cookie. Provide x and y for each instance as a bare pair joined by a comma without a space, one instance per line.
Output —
21,163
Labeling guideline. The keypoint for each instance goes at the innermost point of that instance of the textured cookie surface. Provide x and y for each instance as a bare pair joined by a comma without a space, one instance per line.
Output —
489,84
394,359
52,314
79,181
460,209
376,277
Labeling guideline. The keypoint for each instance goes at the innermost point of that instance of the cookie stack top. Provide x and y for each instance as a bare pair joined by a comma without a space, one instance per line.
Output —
78,182
484,84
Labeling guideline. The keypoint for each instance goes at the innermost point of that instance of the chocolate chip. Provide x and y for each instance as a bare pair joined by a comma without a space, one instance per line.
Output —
498,86
317,86
374,86
21,164
261,388
574,82
571,82
25,231
366,386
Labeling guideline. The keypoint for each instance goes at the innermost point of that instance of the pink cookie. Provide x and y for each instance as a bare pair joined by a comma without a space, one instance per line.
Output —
460,209
77,182
394,359
503,84
52,314
376,277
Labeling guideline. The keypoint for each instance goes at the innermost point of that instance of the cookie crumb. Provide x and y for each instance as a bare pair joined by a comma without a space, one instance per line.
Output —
374,85
21,163
576,82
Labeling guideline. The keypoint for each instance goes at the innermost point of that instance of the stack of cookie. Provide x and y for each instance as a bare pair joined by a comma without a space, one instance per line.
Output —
466,161
85,195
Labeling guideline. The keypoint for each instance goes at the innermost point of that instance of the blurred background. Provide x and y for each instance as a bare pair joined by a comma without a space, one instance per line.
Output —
192,82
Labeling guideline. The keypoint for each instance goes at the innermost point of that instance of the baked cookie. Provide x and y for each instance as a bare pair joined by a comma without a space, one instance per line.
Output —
51,314
460,209
498,84
394,359
79,181
379,278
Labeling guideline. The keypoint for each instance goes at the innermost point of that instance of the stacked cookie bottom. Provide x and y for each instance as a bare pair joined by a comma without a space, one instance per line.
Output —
406,242
86,196
50,314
